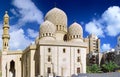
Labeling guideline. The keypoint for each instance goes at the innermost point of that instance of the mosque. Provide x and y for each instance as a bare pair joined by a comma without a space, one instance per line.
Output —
59,50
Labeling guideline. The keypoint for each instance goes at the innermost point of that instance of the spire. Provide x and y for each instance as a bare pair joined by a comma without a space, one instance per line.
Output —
6,12
6,18
55,4
6,36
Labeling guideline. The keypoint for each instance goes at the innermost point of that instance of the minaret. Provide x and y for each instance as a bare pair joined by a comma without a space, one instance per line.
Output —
6,36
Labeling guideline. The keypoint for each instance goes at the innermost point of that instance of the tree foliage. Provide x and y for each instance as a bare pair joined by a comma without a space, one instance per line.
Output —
109,66
93,69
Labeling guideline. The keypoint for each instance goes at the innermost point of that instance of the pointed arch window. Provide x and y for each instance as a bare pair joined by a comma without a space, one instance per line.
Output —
12,69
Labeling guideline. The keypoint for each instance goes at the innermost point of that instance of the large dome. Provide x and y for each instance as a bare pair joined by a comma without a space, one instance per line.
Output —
58,18
47,29
75,31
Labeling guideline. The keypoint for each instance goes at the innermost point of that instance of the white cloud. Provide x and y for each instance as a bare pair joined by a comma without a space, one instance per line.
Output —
112,19
14,12
95,28
32,33
106,47
18,40
109,23
27,11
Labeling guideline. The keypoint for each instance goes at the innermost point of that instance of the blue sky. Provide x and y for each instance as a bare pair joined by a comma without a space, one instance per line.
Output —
101,17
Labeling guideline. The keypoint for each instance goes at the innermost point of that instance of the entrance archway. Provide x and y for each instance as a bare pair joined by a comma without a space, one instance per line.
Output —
12,69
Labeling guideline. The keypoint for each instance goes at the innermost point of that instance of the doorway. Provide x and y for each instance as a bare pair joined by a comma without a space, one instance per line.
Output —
12,69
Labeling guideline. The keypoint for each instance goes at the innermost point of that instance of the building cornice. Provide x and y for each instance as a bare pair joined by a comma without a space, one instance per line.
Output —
63,43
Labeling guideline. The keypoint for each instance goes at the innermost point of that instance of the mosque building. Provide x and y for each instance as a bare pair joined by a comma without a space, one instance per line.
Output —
57,51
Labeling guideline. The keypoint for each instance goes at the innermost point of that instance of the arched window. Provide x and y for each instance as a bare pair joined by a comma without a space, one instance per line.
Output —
5,44
64,50
12,69
77,36
65,37
60,27
73,36
46,34
57,27
49,50
43,34
78,51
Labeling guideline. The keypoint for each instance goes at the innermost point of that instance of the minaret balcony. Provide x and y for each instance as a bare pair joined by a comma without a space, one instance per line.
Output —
5,36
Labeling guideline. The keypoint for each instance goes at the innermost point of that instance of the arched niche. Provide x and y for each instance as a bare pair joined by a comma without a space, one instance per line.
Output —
65,37
12,69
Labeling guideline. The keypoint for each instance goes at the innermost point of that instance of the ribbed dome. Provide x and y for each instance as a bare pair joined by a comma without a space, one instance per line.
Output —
58,18
47,29
75,31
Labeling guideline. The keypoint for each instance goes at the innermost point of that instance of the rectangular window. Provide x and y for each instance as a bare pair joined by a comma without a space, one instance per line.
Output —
48,70
78,70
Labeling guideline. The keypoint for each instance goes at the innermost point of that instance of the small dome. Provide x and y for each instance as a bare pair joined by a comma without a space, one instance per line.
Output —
58,18
47,29
75,31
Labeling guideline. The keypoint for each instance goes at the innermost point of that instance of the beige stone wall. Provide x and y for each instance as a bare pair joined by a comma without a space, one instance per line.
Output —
62,63
28,61
6,59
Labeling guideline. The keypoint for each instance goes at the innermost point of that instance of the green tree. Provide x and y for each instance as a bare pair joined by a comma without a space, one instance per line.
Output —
109,66
93,69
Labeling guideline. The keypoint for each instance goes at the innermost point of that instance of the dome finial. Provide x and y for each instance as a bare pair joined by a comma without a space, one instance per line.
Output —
74,20
55,4
6,12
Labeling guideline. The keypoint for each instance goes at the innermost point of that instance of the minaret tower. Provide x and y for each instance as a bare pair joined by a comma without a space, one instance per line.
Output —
6,36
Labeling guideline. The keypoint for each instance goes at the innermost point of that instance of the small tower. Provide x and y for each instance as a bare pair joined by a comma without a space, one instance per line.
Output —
6,36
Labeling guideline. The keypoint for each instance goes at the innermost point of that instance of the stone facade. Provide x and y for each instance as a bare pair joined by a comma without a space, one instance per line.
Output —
58,50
